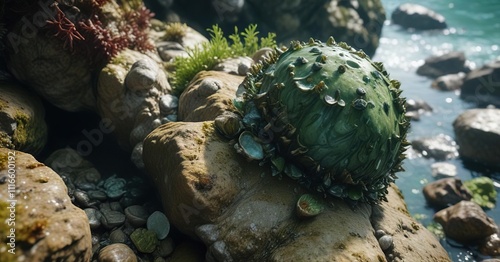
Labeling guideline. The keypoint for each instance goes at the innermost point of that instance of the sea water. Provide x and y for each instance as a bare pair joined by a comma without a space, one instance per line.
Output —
474,28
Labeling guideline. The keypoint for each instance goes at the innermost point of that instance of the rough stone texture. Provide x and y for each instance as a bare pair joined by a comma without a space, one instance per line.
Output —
450,63
449,82
209,94
415,108
22,119
48,227
242,213
418,17
466,222
477,133
482,85
129,91
359,23
58,75
445,192
440,147
490,246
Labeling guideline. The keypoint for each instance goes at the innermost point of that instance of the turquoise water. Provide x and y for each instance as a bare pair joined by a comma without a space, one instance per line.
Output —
474,28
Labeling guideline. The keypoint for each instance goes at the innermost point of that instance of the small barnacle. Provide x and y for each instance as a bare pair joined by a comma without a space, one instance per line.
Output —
321,59
300,61
320,87
296,45
330,41
315,50
341,69
359,104
360,91
386,108
291,67
316,66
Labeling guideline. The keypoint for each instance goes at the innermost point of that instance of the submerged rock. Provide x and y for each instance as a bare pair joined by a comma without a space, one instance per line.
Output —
440,147
242,213
48,227
449,82
450,63
418,17
481,85
22,123
445,192
477,132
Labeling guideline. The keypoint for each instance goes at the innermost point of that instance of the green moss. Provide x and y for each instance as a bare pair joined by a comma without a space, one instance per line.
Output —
174,32
21,135
4,231
436,229
3,161
217,49
483,191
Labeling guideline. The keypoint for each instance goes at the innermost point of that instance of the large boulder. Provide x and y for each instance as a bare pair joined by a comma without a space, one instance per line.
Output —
450,63
242,213
477,133
22,119
417,17
38,218
481,85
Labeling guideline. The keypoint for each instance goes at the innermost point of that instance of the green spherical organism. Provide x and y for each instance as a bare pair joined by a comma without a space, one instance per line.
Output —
329,117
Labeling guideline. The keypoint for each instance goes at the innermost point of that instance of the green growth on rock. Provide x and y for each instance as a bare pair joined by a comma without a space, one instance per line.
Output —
332,114
217,49
483,191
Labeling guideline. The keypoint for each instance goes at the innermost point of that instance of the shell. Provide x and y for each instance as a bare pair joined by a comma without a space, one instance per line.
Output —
117,252
385,242
309,206
250,147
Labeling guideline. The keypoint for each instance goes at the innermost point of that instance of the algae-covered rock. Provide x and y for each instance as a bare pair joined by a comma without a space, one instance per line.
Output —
22,119
242,213
483,191
42,223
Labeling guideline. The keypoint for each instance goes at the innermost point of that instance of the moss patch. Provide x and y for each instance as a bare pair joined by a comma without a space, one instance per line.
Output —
21,135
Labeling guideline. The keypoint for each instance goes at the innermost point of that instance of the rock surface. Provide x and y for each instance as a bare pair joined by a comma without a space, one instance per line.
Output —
482,85
22,119
209,94
477,132
129,91
440,147
48,227
242,213
417,17
466,222
450,63
445,192
449,82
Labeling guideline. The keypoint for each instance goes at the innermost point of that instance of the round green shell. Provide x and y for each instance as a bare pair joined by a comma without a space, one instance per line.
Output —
329,117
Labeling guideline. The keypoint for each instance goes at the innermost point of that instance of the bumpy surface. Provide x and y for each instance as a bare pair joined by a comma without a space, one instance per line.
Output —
329,117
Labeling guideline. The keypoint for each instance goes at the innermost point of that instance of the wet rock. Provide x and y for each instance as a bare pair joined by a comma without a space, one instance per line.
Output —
67,162
209,94
136,215
144,240
481,85
449,82
111,219
466,222
117,252
450,63
242,213
94,217
385,242
477,132
129,91
441,147
118,236
54,72
83,200
168,50
443,170
158,223
445,192
22,124
490,246
418,17
114,187
165,247
415,108
97,195
47,224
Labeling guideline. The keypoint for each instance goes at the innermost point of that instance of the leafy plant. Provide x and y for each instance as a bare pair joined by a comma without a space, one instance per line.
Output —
209,54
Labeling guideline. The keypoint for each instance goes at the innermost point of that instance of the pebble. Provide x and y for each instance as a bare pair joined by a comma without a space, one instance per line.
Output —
379,233
385,242
94,217
142,75
118,236
165,248
115,206
86,186
117,252
111,218
83,199
158,223
168,104
114,187
97,195
136,215
144,240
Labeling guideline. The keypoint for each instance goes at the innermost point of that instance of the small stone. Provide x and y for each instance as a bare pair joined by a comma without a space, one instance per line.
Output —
86,186
385,242
111,218
158,223
379,233
117,252
144,240
136,215
118,236
168,104
97,195
165,248
83,200
114,187
94,217
115,206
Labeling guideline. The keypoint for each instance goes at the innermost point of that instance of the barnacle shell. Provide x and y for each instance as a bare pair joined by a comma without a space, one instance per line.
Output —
333,114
